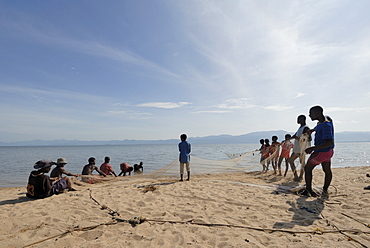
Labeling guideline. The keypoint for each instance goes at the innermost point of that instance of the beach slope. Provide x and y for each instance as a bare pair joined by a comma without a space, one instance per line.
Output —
220,210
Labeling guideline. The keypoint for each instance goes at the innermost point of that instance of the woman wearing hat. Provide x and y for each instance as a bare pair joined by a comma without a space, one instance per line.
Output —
41,185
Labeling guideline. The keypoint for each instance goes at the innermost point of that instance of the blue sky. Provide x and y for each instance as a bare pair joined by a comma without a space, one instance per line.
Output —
103,70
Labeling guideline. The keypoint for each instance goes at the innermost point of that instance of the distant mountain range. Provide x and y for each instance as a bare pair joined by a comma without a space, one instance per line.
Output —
249,138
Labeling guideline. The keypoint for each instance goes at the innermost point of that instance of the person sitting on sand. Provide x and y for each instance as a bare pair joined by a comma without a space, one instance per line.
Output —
138,167
41,185
107,168
125,167
59,170
89,168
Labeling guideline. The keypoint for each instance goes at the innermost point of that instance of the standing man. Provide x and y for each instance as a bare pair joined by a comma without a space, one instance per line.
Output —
301,120
184,157
322,151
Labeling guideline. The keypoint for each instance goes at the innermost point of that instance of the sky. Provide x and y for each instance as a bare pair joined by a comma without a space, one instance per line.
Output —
151,70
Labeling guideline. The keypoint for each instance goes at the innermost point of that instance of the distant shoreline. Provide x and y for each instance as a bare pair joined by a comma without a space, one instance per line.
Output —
250,138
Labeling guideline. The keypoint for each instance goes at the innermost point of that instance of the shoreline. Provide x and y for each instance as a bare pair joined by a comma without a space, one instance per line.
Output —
152,174
234,209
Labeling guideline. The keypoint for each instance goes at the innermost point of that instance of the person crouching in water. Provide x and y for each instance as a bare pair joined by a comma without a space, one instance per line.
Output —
41,185
184,157
138,168
125,167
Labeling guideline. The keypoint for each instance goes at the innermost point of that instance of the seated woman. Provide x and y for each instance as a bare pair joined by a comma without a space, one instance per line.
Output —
41,185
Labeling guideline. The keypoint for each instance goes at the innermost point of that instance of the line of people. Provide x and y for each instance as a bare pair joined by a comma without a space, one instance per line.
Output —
41,185
272,154
320,153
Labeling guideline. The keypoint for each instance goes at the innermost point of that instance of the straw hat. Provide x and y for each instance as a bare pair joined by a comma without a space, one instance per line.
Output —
62,161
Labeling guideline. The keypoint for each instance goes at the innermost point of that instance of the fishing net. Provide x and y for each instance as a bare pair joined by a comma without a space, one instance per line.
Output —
237,162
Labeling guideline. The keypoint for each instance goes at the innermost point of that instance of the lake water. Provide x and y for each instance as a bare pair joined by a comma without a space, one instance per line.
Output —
17,162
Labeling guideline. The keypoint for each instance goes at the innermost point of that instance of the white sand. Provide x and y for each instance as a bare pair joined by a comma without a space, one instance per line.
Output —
223,210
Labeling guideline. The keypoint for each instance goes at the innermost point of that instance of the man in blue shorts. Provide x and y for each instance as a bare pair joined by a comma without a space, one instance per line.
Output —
322,151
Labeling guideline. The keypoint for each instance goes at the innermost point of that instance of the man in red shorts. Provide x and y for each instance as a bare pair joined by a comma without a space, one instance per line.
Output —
322,151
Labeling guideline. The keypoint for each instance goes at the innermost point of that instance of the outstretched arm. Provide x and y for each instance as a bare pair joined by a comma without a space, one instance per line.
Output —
326,144
100,172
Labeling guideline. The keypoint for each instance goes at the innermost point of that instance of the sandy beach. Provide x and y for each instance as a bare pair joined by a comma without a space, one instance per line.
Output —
212,210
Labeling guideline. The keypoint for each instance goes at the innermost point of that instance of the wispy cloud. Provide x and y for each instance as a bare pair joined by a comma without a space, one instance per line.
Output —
56,38
164,105
212,112
299,94
347,109
51,95
236,103
130,114
278,108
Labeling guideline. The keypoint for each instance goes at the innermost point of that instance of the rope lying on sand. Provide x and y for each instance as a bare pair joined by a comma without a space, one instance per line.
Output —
139,220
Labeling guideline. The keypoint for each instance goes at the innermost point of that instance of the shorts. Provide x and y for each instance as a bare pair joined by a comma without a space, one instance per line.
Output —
319,157
182,167
59,186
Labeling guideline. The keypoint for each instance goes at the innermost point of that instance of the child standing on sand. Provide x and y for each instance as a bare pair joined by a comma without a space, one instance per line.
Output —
265,154
274,150
286,147
184,157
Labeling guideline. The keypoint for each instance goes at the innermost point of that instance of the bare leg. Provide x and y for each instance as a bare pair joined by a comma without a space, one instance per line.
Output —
292,166
279,165
302,160
326,167
262,162
274,164
69,183
286,166
308,174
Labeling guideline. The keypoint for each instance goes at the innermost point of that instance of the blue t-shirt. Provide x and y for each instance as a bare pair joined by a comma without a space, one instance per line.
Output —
185,149
324,131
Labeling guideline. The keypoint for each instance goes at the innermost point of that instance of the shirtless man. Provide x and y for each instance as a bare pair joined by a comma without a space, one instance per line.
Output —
89,168
59,170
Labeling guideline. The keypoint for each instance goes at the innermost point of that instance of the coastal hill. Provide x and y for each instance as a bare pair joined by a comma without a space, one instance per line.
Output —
249,138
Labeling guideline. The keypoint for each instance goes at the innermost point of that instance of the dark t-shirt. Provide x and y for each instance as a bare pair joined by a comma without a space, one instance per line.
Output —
39,185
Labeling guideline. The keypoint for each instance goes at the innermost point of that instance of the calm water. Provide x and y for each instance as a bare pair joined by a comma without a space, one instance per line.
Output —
17,162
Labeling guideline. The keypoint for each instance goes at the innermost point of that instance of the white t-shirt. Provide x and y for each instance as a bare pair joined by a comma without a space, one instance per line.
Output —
296,147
